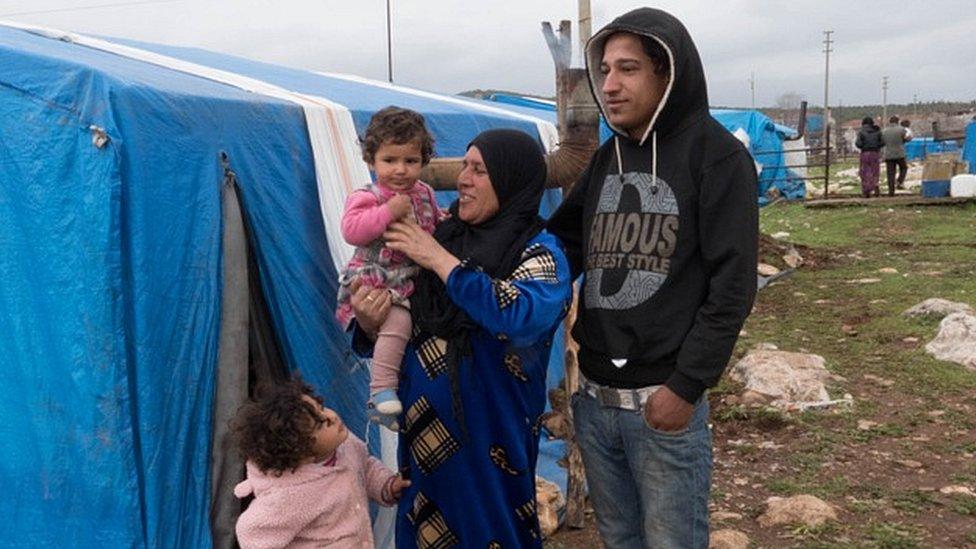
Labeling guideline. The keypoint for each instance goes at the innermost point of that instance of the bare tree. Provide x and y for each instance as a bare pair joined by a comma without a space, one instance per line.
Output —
789,101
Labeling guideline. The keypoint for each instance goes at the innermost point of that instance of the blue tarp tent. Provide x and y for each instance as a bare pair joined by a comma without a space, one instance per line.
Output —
766,146
969,148
920,147
110,280
765,141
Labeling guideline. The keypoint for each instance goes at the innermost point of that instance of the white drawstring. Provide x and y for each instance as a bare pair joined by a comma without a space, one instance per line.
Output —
620,163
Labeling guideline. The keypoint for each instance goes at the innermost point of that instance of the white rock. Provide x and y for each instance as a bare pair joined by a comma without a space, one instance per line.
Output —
956,341
940,307
728,539
780,235
865,425
766,269
549,501
888,270
960,490
787,378
802,509
722,516
864,281
793,258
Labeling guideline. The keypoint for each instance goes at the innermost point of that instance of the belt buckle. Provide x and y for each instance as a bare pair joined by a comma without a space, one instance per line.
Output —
616,398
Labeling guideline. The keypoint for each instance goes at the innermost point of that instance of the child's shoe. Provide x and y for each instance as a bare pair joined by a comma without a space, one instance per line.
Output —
384,408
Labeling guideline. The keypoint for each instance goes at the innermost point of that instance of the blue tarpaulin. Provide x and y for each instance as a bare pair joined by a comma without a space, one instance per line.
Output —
766,146
110,280
920,147
765,141
969,148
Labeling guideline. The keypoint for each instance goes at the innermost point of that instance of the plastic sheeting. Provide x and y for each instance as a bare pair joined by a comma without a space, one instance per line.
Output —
920,147
766,146
110,280
969,148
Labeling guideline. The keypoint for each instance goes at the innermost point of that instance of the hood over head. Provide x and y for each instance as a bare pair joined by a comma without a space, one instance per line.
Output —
686,94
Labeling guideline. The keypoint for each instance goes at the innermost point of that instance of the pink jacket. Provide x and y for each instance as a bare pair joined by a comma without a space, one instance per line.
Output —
316,506
366,215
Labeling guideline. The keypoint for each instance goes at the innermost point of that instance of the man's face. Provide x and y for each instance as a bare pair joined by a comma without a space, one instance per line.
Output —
631,89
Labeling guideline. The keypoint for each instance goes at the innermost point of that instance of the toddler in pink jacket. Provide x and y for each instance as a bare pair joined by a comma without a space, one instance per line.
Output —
309,476
397,146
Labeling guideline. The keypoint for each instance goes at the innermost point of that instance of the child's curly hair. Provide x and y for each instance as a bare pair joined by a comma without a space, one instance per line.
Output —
399,126
275,430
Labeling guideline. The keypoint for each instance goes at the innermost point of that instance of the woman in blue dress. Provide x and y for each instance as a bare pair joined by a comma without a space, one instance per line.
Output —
473,378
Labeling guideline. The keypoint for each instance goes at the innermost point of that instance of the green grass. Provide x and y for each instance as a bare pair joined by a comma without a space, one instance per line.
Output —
912,502
964,505
933,250
857,243
888,535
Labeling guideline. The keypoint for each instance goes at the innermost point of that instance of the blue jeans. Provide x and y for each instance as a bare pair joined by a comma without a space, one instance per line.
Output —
649,488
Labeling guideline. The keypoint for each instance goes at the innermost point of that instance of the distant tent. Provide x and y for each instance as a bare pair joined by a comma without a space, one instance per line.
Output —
764,139
114,166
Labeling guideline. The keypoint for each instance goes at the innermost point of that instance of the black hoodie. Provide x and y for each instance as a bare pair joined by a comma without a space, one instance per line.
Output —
669,262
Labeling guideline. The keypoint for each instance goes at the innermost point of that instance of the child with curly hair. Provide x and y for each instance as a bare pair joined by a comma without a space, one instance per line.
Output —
309,476
396,146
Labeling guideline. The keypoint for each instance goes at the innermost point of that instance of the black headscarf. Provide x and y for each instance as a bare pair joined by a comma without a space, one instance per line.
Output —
517,171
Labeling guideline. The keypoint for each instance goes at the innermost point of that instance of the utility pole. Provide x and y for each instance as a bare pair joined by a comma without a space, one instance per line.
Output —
884,100
915,105
585,28
826,109
389,44
752,88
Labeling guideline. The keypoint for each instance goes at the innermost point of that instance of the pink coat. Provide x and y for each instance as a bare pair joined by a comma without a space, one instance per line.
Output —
316,506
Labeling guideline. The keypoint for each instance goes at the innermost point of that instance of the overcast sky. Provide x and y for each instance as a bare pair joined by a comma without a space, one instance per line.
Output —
925,48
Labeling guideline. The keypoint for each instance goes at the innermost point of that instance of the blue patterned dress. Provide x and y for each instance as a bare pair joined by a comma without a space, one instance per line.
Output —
479,490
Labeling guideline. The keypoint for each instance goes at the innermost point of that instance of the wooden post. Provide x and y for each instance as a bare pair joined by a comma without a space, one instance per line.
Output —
576,479
579,123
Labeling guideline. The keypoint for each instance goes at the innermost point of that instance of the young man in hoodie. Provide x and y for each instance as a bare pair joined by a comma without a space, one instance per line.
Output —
663,224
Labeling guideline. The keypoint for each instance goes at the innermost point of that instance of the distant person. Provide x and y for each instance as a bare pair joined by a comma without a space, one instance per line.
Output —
907,124
894,137
869,142
663,224
309,476
396,146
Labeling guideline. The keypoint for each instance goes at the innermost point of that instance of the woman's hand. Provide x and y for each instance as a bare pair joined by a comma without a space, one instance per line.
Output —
409,238
371,305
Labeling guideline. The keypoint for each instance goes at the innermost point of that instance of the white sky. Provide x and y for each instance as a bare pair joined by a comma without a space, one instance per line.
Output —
925,48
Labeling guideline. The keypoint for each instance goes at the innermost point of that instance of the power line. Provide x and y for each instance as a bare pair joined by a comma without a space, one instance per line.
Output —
83,8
